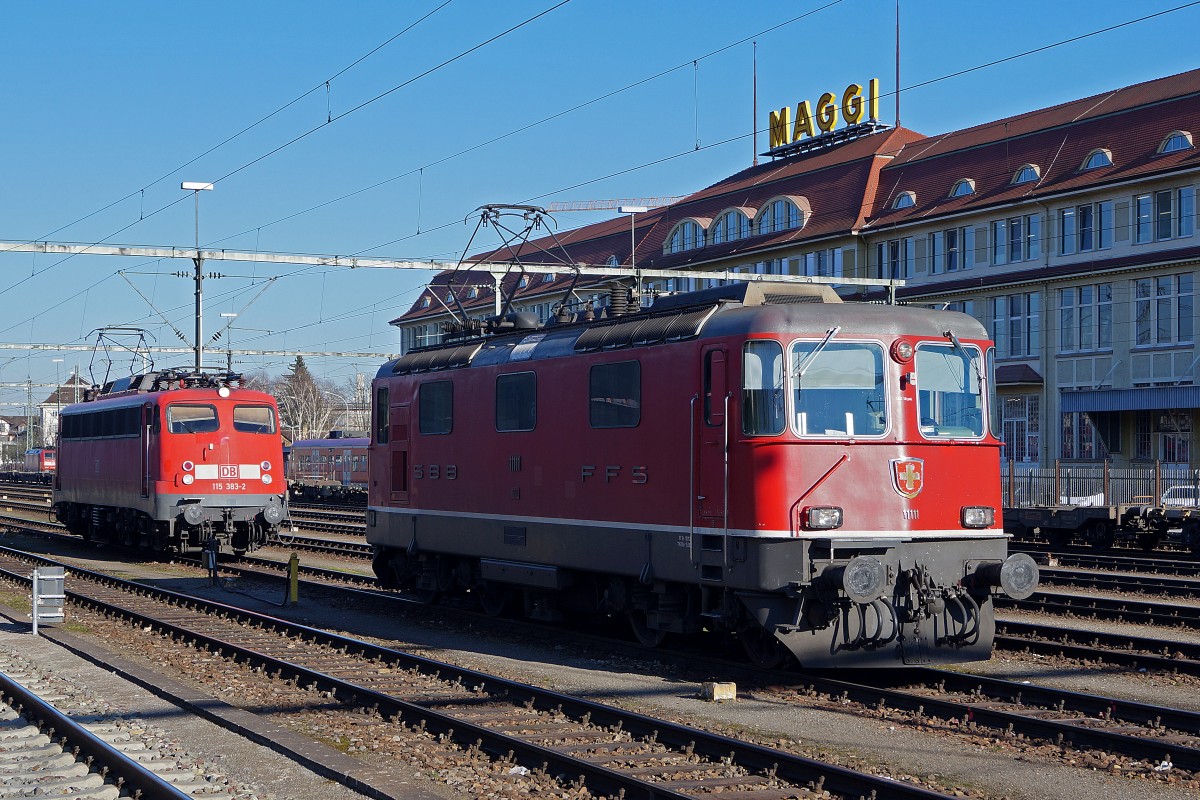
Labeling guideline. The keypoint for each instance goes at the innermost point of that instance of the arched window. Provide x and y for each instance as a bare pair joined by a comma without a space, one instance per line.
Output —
1097,158
548,277
425,301
472,293
688,235
779,215
1178,140
729,226
613,261
449,297
1026,174
905,200
521,284
963,187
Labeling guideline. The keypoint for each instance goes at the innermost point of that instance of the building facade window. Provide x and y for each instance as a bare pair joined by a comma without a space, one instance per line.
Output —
688,235
1085,318
1166,214
730,226
896,258
1085,228
1097,158
1163,310
1026,174
1017,239
1177,140
963,187
1019,426
1162,435
822,263
779,215
1082,438
1016,325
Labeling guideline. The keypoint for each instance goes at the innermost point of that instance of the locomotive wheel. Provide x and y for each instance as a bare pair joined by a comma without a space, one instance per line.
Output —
645,635
761,646
1148,541
1100,535
495,599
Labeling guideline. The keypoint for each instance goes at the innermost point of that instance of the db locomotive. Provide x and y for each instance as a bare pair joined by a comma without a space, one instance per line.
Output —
172,461
812,477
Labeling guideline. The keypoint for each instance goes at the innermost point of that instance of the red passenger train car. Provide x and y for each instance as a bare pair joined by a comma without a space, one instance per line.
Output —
334,468
818,478
170,461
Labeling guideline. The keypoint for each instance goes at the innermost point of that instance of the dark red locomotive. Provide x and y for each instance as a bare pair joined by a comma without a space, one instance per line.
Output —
170,460
817,477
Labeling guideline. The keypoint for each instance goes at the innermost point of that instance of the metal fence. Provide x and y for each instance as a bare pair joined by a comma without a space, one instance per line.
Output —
1098,484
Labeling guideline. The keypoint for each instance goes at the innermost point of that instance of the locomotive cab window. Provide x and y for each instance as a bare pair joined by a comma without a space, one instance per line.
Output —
436,407
192,418
838,388
762,389
615,395
516,402
254,419
950,388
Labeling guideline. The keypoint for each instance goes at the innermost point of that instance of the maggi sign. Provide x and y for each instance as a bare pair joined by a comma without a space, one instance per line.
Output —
853,109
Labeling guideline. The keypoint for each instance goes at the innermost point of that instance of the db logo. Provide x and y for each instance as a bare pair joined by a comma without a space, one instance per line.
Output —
229,471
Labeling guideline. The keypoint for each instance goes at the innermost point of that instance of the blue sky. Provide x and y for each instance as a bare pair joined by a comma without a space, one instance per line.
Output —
107,101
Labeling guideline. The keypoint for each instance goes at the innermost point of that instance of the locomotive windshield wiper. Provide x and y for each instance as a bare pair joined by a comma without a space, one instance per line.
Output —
949,334
816,351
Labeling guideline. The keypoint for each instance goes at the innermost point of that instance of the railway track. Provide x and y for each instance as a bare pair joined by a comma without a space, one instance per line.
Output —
582,743
57,741
1108,609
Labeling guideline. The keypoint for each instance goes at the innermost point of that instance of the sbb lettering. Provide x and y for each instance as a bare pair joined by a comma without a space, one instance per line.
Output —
435,472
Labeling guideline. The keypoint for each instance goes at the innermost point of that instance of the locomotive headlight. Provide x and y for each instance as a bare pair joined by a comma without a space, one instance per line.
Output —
266,466
223,391
188,479
978,516
188,466
902,351
266,478
822,518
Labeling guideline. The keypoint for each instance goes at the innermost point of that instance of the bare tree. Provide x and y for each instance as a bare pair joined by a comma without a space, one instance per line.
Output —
308,405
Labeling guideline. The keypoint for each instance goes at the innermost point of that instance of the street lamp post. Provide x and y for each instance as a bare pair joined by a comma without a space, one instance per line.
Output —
195,188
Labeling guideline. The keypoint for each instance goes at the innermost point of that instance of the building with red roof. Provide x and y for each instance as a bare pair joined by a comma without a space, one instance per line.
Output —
1069,231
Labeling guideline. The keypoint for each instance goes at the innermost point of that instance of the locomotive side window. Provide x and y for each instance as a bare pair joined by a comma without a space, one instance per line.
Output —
516,402
192,418
615,395
254,419
381,416
838,388
762,389
950,388
436,407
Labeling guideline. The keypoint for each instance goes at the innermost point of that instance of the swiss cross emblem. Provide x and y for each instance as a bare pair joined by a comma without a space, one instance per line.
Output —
908,476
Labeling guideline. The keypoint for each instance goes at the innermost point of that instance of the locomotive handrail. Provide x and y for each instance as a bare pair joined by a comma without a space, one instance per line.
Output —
692,434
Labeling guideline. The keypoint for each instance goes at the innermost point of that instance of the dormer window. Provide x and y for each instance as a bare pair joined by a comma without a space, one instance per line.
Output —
613,261
729,226
425,301
779,215
905,200
1097,158
548,277
1027,174
688,235
521,284
963,187
472,293
1178,140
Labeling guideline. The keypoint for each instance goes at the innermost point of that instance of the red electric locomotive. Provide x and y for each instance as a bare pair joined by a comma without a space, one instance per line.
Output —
815,477
170,461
